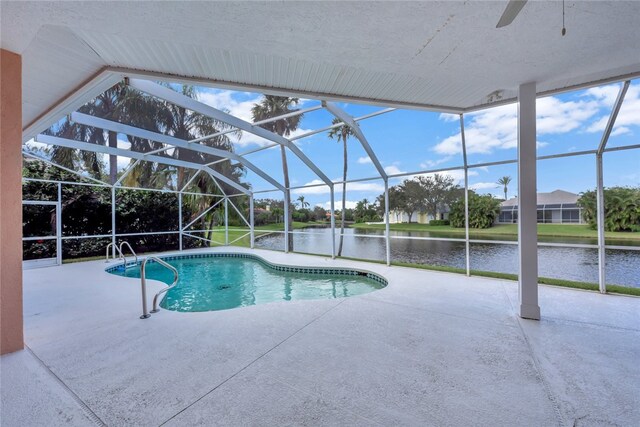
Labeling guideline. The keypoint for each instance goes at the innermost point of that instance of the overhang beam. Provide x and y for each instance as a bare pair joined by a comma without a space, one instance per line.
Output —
110,125
261,122
68,143
349,121
176,98
612,117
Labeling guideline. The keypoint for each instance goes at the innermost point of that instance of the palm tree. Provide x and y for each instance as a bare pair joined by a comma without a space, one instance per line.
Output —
272,106
504,182
184,124
342,133
124,104
107,105
303,204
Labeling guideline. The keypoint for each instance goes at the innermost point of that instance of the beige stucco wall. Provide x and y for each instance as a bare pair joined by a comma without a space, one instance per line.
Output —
11,334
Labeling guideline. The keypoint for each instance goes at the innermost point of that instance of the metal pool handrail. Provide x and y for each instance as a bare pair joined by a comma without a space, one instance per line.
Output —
116,248
130,250
143,284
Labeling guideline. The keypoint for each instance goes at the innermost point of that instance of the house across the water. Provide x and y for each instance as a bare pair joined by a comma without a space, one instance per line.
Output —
557,207
398,216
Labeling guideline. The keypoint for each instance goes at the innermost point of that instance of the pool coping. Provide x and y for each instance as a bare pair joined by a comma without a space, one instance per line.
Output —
278,267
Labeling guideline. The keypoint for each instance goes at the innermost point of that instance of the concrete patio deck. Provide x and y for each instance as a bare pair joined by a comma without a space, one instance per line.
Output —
429,349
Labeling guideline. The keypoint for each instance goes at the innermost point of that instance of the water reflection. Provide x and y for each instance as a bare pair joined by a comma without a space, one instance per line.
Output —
581,264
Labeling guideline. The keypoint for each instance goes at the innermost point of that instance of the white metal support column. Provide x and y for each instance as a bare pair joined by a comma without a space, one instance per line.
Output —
600,214
600,224
59,226
226,221
527,203
333,224
466,197
251,221
113,221
180,219
286,223
386,220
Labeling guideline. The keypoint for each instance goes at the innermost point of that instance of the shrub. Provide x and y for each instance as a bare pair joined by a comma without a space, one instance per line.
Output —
621,207
262,218
483,211
301,215
441,221
86,211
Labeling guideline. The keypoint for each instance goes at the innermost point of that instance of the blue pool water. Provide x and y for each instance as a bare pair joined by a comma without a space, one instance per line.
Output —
219,282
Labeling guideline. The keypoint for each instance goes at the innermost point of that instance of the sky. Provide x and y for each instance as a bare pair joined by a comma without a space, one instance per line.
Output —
413,141
408,141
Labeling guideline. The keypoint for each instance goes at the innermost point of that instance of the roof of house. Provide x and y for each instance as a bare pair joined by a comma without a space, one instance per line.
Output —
556,197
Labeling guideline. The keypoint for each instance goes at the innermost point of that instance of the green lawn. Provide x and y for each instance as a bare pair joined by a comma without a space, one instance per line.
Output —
546,230
612,289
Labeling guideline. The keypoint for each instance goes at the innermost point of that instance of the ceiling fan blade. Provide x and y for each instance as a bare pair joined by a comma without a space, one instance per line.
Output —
510,12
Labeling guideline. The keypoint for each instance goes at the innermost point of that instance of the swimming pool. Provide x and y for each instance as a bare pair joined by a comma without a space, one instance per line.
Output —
220,281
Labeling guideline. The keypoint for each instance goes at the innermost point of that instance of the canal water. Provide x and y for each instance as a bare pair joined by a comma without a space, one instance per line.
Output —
580,264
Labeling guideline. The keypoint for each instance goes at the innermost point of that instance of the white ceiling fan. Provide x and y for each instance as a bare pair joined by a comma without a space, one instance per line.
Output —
510,12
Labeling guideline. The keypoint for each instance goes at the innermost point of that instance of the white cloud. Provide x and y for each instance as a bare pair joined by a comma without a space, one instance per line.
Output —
227,100
123,162
620,130
349,204
496,128
317,189
393,170
629,114
363,186
124,144
447,117
364,160
433,163
373,187
555,116
483,185
36,146
605,94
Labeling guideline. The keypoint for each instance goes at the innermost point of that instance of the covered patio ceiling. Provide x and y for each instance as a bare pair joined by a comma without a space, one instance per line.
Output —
446,56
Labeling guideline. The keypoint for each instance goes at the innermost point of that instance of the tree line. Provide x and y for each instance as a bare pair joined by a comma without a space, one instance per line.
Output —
432,194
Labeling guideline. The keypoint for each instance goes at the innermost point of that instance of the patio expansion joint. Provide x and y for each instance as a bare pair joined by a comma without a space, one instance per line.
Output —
83,405
536,363
239,371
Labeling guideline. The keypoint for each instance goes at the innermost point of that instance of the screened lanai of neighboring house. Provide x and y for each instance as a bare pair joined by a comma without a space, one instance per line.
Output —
432,59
